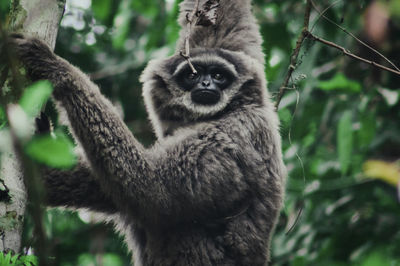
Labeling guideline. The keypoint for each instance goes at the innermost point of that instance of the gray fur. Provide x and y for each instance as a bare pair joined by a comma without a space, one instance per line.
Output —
210,189
235,29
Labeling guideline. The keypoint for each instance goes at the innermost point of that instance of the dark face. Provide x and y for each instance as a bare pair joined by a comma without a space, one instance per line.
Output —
207,84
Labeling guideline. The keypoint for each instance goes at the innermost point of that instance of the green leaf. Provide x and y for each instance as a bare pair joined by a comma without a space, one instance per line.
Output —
112,259
2,117
121,25
101,9
146,8
55,152
367,130
35,96
345,141
394,7
14,259
8,257
340,82
285,116
375,258
86,259
29,260
17,259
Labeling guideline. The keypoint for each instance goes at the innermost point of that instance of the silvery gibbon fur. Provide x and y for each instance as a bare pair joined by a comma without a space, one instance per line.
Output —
209,191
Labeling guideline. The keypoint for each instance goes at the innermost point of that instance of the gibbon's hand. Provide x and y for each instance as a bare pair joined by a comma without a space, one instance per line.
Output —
36,56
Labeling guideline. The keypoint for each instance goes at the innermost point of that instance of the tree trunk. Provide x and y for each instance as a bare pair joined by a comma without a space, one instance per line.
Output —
39,18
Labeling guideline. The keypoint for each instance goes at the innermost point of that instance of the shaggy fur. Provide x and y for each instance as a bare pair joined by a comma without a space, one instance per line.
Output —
210,189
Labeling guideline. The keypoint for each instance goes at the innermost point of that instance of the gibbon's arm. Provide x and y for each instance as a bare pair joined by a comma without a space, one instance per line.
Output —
114,154
199,176
235,29
76,188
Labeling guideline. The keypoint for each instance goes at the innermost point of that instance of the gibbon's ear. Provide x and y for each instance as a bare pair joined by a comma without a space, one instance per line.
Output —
235,29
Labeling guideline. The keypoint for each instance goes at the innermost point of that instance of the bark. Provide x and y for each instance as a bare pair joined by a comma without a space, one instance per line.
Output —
39,18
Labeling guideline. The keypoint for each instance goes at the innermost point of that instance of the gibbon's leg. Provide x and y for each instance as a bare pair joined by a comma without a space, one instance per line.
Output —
76,188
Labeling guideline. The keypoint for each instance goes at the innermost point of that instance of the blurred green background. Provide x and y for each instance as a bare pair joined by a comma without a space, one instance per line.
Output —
340,124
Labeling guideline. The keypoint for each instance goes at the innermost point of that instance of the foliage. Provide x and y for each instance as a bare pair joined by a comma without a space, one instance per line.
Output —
56,151
35,96
17,260
341,115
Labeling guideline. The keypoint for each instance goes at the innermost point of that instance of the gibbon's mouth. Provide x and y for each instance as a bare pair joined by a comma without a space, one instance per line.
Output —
205,96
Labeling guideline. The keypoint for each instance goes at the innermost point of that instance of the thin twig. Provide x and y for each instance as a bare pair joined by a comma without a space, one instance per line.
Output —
284,87
349,54
292,225
322,14
194,71
294,56
296,219
192,20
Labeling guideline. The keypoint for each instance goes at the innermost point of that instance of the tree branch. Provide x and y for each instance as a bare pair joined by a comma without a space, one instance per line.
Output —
190,18
322,14
295,54
206,16
349,54
38,18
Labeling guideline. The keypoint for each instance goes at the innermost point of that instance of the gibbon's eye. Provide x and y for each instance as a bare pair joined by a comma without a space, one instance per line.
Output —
192,76
218,76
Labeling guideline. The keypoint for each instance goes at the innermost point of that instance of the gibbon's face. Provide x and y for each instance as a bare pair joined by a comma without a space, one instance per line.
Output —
207,92
175,96
207,84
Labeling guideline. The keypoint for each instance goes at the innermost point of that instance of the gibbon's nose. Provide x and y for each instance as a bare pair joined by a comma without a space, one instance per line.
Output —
206,83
